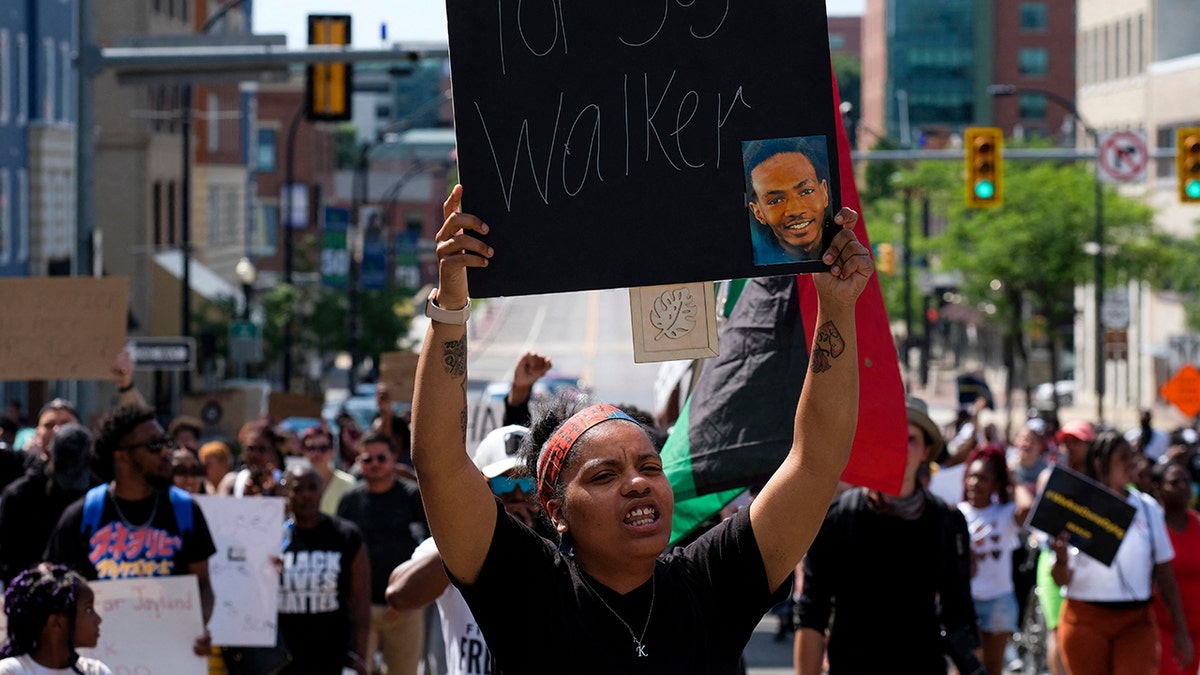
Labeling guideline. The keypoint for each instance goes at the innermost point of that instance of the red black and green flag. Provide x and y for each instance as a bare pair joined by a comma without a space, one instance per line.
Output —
736,426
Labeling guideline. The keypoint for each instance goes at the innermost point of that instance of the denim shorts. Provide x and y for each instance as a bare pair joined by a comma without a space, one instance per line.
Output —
997,615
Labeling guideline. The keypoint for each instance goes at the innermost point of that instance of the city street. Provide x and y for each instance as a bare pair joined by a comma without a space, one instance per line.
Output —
585,334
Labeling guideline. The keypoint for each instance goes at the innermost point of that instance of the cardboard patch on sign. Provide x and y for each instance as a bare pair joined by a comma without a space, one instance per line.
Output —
62,328
623,137
1095,518
673,322
282,405
398,371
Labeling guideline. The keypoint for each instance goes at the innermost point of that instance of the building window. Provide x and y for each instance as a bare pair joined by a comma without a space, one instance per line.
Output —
214,215
64,50
5,77
1032,107
49,85
22,79
171,213
263,230
265,160
1032,62
23,227
1138,62
5,217
213,123
836,41
156,204
1033,16
231,209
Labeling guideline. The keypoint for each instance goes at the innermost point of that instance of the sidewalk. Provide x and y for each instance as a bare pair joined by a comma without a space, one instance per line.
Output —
942,396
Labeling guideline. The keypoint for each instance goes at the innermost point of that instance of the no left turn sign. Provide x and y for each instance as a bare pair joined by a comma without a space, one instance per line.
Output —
1123,156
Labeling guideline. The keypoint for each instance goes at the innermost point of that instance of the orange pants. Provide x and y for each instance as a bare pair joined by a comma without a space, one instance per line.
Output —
1099,641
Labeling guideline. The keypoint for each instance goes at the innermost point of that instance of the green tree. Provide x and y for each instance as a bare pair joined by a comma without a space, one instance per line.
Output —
1026,257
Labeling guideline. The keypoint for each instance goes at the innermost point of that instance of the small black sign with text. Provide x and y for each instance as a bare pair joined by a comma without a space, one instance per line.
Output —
1095,517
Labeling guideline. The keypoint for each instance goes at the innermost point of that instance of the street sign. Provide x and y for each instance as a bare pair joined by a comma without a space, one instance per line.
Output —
293,205
1114,312
1124,156
335,257
1116,344
245,342
1183,390
163,353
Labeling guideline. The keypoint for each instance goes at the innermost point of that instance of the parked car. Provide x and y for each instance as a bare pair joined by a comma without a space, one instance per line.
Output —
1044,393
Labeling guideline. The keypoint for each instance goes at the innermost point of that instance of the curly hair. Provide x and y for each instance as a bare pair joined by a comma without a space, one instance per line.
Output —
992,455
32,598
113,428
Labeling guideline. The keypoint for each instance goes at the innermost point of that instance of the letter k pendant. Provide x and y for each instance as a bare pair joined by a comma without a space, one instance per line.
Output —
641,650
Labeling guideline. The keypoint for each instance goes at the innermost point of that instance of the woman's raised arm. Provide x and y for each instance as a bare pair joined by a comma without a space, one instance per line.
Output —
791,507
458,503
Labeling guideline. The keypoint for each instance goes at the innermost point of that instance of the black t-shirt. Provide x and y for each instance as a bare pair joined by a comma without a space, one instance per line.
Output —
29,510
147,542
314,596
881,578
13,464
707,599
391,523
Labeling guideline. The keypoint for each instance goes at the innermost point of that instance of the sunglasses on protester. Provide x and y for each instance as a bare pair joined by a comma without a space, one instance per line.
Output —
187,471
154,446
502,485
318,447
372,459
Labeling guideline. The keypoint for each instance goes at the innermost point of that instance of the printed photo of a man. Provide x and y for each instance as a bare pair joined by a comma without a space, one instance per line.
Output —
787,192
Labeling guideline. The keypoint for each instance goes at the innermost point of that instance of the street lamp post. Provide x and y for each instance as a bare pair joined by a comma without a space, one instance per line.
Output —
246,273
1069,105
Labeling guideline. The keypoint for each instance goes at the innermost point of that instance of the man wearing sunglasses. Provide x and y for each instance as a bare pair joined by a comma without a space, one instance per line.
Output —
317,446
423,579
388,511
137,525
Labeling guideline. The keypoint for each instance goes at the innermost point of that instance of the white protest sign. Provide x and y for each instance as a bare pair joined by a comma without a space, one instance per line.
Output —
148,626
248,534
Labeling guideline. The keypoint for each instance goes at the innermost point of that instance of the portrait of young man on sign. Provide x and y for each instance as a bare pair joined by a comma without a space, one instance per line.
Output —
787,194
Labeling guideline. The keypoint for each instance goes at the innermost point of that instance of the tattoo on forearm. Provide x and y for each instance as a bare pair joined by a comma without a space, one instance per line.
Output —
462,420
454,356
830,345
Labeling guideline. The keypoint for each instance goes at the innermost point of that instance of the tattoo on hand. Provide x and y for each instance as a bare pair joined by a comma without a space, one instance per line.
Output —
830,345
454,356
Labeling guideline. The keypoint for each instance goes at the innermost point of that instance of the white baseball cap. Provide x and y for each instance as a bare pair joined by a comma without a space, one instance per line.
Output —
497,452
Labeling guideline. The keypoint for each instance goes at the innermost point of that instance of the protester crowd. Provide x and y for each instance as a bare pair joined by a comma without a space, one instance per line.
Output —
528,574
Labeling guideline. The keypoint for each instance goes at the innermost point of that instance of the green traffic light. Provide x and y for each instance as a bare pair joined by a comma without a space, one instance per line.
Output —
985,189
1192,189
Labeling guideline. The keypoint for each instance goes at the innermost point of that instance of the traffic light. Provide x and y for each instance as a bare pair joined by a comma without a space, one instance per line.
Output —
885,257
328,85
1187,164
985,167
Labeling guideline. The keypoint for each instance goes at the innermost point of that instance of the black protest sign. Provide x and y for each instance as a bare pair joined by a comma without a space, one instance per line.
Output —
1095,518
604,142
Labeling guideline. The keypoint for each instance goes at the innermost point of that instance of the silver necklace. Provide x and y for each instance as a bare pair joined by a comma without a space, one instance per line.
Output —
121,514
637,641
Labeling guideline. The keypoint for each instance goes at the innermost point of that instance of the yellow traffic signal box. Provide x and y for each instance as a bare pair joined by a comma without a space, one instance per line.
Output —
984,151
1187,164
329,86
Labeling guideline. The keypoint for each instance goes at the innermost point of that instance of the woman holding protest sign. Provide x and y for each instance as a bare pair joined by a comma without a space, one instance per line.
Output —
608,599
1106,624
